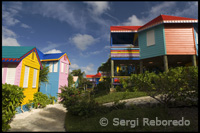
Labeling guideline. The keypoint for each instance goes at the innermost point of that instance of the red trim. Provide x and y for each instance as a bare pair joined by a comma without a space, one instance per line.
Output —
98,75
124,28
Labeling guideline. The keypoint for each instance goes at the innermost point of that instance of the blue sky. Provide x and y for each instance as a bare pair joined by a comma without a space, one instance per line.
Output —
81,29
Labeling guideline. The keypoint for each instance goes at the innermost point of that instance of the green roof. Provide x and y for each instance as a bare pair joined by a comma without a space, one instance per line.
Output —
15,51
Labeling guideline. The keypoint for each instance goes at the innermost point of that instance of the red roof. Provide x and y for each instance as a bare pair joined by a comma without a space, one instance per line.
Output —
98,75
162,18
124,28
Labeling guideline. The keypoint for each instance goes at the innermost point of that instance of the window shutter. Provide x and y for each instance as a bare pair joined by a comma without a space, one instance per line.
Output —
34,78
26,77
62,67
55,66
150,38
10,78
50,66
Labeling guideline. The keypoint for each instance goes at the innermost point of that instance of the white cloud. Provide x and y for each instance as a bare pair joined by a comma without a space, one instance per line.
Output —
133,21
8,33
9,13
82,41
88,69
9,41
61,11
107,47
25,26
99,7
50,47
53,51
74,66
9,37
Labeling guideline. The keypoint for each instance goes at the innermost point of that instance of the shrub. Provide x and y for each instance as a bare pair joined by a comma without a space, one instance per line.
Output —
40,99
179,84
12,97
118,88
52,99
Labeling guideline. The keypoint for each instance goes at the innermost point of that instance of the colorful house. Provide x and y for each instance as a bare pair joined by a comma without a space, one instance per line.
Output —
166,41
21,66
94,79
58,64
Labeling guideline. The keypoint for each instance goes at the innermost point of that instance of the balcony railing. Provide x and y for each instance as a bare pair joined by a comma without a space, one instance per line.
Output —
125,52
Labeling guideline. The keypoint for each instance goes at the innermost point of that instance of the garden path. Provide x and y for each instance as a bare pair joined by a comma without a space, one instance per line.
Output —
51,118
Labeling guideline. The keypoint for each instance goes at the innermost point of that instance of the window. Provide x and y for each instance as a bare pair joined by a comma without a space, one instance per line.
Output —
55,66
150,38
26,77
66,69
50,67
34,78
10,77
62,67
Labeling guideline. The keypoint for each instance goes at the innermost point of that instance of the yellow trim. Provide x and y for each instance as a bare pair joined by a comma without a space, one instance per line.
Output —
57,59
125,52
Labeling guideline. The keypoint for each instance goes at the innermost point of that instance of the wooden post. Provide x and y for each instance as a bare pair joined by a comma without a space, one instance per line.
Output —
112,73
165,63
194,60
141,66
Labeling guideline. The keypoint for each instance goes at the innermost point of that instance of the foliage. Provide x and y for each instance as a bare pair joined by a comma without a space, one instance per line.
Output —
106,67
80,76
43,77
118,88
70,80
178,84
52,99
12,97
40,99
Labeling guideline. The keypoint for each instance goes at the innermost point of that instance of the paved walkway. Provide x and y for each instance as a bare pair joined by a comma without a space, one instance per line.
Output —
137,101
49,119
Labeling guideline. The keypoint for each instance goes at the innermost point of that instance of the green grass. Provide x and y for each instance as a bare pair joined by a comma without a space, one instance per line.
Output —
111,97
78,124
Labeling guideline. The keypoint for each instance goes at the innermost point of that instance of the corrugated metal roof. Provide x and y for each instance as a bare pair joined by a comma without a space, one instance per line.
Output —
162,18
15,51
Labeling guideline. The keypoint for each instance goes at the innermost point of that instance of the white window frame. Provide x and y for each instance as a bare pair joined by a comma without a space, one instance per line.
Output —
55,66
62,67
50,67
150,38
34,78
26,77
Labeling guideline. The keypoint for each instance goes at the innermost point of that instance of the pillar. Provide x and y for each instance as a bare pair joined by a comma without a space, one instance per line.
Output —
165,63
112,73
194,63
141,66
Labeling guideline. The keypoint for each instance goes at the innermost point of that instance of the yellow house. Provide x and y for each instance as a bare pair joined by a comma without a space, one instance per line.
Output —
21,66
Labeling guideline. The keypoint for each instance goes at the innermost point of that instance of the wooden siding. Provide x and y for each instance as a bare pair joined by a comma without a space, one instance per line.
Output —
154,50
32,64
180,39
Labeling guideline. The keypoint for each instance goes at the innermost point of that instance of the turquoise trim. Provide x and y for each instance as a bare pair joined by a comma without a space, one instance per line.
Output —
164,41
196,44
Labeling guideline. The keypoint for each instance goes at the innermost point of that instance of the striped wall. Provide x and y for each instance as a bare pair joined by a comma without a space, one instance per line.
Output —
154,50
124,52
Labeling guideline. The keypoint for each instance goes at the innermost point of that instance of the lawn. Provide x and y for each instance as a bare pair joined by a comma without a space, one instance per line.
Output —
78,124
118,96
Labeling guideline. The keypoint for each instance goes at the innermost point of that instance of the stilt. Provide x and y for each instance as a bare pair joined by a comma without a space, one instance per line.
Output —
141,66
194,63
165,63
112,73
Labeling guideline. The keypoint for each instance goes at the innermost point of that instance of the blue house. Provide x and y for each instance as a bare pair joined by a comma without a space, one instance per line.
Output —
58,64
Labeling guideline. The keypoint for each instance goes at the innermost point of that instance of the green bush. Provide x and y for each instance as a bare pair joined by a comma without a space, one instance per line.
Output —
40,99
12,97
179,84
52,99
118,88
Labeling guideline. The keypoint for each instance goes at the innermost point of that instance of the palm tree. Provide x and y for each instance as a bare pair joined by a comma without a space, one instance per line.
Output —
79,74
